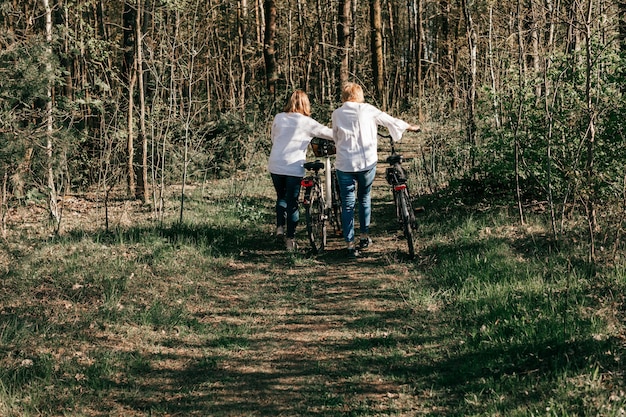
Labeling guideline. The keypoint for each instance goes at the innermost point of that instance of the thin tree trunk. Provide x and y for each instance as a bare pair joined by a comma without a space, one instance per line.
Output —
520,61
622,25
130,140
377,51
4,207
622,39
269,46
143,189
534,43
130,70
418,57
343,40
325,79
472,39
494,87
55,211
241,33
353,35
591,138
549,104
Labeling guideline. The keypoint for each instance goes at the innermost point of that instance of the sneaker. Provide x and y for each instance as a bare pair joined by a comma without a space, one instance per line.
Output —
365,243
280,232
353,253
291,245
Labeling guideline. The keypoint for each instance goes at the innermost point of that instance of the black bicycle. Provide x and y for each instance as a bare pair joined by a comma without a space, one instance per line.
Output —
321,200
396,178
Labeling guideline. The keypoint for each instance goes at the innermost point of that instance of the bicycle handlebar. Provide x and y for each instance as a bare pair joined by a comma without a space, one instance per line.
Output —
391,141
388,136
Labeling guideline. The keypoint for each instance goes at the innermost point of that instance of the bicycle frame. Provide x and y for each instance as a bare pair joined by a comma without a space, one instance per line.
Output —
397,179
318,191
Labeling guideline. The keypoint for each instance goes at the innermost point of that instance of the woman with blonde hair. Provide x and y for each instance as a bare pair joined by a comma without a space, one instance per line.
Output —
292,131
355,130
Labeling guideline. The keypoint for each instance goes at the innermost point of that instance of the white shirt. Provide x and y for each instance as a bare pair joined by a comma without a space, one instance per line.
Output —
291,134
355,127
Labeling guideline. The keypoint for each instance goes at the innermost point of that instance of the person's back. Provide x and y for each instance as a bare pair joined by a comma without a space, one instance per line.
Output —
291,134
355,126
292,131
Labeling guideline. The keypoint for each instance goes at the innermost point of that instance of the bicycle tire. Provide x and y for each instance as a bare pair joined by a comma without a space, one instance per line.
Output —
407,224
316,220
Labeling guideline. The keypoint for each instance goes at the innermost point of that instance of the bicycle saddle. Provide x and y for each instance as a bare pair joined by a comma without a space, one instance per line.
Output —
394,159
313,166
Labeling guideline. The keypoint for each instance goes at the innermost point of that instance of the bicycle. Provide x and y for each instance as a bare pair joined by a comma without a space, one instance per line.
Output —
321,200
397,179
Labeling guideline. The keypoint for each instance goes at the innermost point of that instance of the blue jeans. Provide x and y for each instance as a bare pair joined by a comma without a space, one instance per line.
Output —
355,186
287,193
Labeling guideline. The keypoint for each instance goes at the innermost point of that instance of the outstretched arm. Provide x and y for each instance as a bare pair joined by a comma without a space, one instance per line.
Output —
414,128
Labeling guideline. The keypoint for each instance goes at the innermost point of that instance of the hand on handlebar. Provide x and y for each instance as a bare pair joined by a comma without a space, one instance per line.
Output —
414,128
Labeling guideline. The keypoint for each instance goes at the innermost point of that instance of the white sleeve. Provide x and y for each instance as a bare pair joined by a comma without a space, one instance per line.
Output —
395,126
318,130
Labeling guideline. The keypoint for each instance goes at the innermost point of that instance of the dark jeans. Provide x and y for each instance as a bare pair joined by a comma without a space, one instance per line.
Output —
287,193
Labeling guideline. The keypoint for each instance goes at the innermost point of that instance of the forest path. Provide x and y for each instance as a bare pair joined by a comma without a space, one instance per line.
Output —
319,334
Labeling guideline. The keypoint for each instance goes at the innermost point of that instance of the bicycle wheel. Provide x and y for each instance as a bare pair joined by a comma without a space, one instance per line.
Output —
404,206
335,209
316,220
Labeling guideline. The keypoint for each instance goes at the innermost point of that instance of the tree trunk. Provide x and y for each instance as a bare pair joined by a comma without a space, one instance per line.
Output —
269,46
622,40
4,207
622,25
343,40
377,52
130,66
419,52
130,140
549,110
55,211
492,75
143,184
591,139
472,39
242,17
534,44
520,109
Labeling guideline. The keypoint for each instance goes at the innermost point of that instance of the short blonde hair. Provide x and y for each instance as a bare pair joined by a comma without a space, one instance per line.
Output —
352,92
298,103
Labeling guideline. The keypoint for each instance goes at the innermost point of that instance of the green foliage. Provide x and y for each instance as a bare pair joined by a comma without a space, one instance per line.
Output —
22,99
228,144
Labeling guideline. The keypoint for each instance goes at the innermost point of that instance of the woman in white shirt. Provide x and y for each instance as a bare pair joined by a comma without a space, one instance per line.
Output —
292,132
355,127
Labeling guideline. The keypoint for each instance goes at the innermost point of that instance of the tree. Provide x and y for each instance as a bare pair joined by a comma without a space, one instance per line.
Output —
53,199
269,45
130,70
343,39
143,192
472,45
378,67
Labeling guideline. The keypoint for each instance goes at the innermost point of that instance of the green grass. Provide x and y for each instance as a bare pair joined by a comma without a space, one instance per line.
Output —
211,317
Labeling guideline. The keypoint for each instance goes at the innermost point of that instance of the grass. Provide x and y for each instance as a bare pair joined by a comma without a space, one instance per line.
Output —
211,317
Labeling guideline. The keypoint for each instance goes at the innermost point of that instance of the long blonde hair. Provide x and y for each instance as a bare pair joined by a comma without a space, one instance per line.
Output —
352,92
298,103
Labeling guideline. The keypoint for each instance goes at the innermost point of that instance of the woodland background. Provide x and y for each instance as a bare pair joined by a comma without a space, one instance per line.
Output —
522,101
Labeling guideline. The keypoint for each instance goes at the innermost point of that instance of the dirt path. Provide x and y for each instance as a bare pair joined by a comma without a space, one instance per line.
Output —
313,342
320,335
